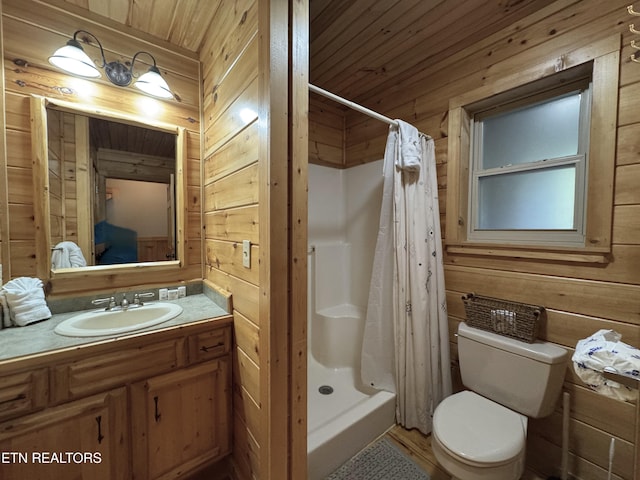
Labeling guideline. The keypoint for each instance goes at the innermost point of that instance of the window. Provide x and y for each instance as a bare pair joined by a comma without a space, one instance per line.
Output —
528,168
531,158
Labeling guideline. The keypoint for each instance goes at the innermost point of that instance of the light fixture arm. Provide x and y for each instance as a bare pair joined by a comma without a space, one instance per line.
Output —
133,60
75,39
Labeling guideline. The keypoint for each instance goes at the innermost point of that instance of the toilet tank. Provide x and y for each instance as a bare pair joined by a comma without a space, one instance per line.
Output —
525,377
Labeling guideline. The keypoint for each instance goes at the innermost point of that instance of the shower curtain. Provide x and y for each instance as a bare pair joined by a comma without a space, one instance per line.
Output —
406,338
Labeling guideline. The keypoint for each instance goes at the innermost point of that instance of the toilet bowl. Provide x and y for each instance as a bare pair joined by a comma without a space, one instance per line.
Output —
480,433
475,438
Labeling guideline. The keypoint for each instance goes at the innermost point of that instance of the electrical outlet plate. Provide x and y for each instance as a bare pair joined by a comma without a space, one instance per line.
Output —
246,253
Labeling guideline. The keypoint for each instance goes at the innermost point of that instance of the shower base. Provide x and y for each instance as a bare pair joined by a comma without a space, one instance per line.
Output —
343,422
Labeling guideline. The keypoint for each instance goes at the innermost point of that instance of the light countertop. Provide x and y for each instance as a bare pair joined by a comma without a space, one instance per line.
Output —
39,337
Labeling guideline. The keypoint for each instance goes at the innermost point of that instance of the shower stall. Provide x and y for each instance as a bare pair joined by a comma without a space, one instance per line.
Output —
343,414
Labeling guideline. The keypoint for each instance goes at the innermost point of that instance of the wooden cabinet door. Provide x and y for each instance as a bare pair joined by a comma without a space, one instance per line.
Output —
84,439
181,420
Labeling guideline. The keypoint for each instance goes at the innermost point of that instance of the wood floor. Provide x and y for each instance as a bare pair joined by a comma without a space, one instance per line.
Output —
418,447
413,443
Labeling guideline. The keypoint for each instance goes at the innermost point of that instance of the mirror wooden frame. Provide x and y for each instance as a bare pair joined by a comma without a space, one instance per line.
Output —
41,205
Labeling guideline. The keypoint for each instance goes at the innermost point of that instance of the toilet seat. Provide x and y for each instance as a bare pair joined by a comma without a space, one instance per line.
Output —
478,432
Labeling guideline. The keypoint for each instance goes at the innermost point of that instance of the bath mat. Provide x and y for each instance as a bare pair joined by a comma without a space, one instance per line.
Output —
380,461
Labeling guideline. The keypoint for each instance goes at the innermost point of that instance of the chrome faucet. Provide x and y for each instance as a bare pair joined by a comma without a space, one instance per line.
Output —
137,298
124,303
111,302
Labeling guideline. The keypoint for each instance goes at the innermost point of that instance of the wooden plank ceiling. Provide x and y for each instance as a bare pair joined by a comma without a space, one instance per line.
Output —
129,138
358,47
182,23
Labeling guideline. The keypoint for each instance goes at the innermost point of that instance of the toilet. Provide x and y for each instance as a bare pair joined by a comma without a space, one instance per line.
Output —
480,433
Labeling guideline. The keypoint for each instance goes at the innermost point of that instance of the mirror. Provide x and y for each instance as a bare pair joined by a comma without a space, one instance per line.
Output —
108,189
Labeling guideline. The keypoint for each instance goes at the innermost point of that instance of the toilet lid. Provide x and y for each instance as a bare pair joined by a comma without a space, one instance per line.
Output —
478,430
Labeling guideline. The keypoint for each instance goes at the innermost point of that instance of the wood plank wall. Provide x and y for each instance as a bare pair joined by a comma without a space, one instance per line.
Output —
230,204
57,197
31,30
581,298
326,133
4,199
68,183
154,249
247,189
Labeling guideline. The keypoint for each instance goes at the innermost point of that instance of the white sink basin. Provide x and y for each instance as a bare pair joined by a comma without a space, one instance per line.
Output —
101,322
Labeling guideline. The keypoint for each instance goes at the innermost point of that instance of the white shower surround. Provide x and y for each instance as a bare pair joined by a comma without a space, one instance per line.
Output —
343,220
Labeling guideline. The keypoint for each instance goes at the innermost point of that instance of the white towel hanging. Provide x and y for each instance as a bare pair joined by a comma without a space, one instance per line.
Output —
67,255
410,149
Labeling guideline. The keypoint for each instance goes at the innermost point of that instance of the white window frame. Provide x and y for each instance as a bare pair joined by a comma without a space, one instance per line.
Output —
600,60
573,237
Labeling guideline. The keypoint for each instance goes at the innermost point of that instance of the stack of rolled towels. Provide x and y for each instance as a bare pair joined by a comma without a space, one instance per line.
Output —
23,302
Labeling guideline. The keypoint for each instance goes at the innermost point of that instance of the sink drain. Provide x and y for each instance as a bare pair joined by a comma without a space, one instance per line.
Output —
326,390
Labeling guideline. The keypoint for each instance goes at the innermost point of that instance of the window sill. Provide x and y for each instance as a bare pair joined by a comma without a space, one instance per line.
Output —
586,255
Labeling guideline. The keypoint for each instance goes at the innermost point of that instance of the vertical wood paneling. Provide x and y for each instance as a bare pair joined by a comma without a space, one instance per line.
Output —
40,186
56,187
299,239
5,256
275,266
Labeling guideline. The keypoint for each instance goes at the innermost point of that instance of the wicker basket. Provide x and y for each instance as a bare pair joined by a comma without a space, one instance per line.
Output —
511,319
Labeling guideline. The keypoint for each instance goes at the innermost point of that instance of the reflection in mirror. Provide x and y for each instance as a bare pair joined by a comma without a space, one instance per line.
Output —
111,191
108,190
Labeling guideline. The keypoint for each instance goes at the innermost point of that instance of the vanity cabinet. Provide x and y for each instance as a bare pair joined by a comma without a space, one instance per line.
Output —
86,438
94,373
181,420
23,392
151,406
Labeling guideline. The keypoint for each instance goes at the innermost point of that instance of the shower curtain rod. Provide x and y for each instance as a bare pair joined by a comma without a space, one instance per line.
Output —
352,105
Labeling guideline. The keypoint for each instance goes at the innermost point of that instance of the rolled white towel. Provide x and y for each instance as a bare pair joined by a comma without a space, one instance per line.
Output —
26,301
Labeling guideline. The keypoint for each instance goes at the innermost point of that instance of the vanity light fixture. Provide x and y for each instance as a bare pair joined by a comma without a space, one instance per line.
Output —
73,59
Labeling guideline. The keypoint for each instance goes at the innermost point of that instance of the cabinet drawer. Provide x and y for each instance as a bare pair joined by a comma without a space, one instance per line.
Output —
103,371
22,393
211,344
